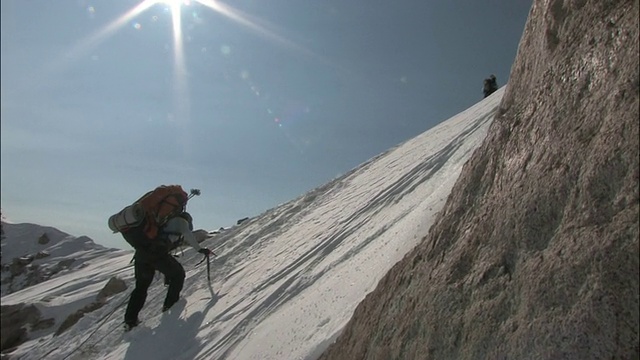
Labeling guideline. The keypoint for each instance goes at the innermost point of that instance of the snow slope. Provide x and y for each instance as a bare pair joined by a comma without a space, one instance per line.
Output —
284,283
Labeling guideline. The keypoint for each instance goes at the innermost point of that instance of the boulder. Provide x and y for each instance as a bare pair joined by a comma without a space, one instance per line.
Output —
14,321
43,239
114,286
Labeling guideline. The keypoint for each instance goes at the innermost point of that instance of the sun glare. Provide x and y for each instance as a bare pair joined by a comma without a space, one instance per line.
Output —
175,8
173,4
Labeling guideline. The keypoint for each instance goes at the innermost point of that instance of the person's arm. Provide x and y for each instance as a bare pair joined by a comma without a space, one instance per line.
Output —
182,226
187,234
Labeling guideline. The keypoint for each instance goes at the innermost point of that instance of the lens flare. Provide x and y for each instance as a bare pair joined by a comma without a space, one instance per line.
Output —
180,113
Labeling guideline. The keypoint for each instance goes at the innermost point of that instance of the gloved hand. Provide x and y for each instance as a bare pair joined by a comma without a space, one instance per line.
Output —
207,252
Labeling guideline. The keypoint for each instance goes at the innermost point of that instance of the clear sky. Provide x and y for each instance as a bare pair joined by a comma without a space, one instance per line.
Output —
255,102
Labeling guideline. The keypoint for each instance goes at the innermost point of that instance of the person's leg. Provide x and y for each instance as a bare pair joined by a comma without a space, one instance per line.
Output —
144,273
174,273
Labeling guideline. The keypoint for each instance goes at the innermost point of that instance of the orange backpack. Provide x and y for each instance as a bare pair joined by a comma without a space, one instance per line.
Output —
160,205
142,220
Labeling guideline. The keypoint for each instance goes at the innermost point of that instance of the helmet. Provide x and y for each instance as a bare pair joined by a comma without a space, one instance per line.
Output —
492,77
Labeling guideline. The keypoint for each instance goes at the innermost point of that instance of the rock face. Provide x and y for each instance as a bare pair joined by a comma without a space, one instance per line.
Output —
33,254
73,318
15,320
114,286
535,254
201,235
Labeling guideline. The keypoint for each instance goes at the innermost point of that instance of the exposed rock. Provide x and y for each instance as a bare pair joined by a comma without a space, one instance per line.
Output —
536,252
43,324
22,268
114,286
76,316
240,221
48,298
216,232
44,239
201,235
42,254
17,267
30,274
65,264
24,260
11,339
14,321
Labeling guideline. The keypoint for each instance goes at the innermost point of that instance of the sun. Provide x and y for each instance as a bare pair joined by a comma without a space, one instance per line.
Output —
175,7
174,4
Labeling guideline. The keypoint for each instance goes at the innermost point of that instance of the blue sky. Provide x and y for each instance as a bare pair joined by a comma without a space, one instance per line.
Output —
258,103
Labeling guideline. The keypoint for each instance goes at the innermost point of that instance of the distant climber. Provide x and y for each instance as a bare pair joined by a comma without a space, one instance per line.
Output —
490,85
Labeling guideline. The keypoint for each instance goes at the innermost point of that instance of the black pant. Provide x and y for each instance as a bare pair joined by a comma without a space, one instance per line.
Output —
146,264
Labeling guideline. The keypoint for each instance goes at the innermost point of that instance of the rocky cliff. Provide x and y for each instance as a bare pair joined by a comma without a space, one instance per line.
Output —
535,254
32,254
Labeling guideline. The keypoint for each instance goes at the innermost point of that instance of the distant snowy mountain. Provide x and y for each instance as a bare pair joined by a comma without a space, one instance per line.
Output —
33,253
284,283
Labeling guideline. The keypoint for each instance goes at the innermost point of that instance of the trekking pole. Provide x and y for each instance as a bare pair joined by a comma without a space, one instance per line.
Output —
208,270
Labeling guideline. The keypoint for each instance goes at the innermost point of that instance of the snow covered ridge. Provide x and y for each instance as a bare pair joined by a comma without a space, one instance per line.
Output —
284,283
33,257
32,254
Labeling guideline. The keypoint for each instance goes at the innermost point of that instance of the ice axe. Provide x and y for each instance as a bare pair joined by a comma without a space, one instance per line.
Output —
193,192
206,257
